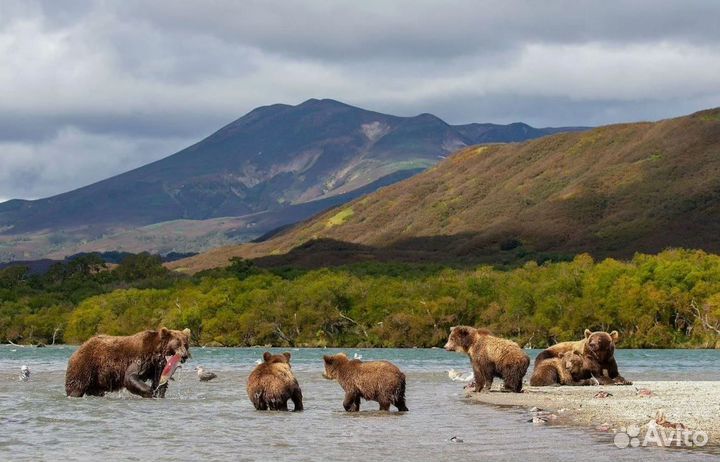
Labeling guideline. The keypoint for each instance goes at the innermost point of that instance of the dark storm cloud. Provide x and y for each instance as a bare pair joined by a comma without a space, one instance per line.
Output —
92,88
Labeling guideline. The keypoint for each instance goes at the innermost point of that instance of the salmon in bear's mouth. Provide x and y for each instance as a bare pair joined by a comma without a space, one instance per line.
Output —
172,363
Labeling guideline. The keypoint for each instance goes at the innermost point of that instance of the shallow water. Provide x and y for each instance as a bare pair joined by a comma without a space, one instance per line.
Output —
216,421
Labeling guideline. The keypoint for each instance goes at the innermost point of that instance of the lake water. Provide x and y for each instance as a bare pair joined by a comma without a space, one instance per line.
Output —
216,421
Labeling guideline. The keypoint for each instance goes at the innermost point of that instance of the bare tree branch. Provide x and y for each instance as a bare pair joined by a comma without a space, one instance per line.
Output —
703,318
362,328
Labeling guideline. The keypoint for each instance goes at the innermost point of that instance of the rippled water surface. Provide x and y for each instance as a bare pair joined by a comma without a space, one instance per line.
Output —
216,421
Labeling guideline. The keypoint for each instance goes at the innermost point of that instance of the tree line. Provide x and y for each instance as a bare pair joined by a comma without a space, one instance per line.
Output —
669,300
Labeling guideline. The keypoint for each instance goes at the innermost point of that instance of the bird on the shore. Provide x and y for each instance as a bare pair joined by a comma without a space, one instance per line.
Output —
357,356
204,376
24,373
456,376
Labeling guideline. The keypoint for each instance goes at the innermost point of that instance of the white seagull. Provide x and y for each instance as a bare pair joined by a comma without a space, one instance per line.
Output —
456,376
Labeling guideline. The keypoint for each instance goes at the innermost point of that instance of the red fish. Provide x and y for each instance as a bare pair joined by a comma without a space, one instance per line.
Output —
173,362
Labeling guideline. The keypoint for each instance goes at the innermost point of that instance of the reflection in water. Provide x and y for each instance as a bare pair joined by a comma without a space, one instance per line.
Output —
215,420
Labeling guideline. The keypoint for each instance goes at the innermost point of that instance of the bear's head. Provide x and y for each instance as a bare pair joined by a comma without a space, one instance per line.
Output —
270,358
461,338
332,364
600,345
572,362
171,342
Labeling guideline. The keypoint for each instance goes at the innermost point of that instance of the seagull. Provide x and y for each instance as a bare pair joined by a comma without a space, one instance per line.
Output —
455,439
204,376
357,356
258,361
24,373
456,376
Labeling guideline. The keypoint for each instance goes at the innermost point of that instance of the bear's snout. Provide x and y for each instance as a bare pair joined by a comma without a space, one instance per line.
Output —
449,346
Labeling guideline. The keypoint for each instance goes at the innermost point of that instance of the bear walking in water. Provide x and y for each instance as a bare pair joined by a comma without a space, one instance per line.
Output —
566,370
272,383
598,352
379,381
106,363
490,357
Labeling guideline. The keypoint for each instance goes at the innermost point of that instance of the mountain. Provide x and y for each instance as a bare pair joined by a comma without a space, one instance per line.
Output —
275,161
610,191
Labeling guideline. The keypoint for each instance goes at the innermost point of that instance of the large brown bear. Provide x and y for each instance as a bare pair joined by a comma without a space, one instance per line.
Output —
272,383
379,381
598,352
566,370
490,357
108,363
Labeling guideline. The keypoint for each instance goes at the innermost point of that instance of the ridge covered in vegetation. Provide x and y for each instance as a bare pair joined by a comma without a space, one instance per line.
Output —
667,300
610,191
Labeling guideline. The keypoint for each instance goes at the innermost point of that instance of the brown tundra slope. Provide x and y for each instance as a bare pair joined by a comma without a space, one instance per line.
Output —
610,191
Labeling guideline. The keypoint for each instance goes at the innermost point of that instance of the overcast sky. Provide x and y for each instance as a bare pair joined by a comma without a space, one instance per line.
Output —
89,89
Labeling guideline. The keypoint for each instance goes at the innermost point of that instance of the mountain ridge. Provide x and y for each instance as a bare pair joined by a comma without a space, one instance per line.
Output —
610,191
271,158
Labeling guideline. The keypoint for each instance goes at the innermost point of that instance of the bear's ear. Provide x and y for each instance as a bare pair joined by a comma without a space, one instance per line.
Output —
186,331
588,333
614,336
267,356
287,355
327,359
164,332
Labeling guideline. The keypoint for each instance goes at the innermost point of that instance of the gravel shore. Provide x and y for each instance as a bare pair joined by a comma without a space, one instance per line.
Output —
695,405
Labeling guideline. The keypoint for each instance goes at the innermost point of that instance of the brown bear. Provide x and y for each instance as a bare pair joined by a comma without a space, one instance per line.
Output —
379,381
490,357
272,383
565,370
598,352
106,363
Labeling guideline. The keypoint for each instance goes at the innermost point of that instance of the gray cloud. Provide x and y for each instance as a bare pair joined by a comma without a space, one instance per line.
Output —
92,88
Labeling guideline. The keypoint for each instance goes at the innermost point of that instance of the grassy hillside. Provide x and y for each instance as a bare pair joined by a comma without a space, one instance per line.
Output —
610,191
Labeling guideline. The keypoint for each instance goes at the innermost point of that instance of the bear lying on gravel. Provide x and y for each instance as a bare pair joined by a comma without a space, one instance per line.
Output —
490,357
565,370
379,381
272,383
598,352
106,363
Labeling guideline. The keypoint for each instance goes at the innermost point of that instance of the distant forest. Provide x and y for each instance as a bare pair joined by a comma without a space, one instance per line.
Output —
669,300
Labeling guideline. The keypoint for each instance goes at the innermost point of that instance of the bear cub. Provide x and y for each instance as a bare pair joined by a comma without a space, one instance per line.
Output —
272,383
379,381
490,357
566,370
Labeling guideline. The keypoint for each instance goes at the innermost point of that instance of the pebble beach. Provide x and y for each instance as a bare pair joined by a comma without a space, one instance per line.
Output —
694,405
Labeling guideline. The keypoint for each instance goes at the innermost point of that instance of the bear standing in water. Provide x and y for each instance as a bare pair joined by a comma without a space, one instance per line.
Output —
272,383
108,363
598,352
490,357
565,370
379,381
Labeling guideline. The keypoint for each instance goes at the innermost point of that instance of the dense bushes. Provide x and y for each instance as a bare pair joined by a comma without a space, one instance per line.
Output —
668,300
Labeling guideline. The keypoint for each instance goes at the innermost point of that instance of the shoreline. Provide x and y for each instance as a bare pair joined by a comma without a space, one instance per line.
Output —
695,405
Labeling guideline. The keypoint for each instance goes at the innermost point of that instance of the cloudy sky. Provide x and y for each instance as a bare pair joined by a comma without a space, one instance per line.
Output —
89,89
